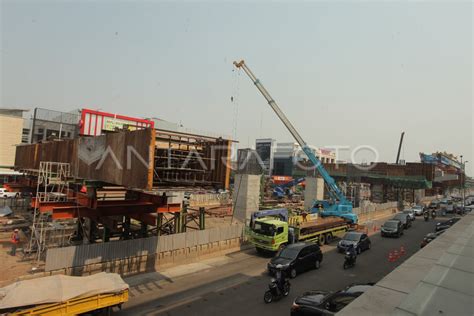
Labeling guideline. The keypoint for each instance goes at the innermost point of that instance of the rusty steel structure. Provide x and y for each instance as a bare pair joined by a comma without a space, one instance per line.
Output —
113,188
145,159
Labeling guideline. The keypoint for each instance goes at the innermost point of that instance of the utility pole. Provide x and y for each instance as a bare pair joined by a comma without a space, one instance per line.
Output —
463,181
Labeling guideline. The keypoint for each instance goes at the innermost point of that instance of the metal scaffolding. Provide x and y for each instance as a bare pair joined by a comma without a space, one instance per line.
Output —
53,185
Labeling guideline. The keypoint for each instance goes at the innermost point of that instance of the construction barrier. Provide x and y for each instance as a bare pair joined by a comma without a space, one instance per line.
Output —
177,246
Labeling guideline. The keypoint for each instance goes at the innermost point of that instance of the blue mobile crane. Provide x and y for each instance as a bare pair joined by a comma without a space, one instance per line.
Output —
338,205
282,190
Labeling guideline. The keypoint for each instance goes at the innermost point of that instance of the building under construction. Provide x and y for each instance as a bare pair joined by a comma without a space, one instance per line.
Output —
119,183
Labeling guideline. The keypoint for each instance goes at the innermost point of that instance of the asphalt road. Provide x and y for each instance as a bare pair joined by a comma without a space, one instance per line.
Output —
237,287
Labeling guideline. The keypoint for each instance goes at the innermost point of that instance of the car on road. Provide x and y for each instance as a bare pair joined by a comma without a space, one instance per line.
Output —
433,205
430,237
359,240
404,218
445,225
410,213
4,193
418,210
327,302
297,258
447,205
392,228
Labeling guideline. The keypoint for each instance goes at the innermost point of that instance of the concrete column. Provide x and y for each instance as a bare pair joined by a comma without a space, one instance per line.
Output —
314,190
159,222
377,193
246,196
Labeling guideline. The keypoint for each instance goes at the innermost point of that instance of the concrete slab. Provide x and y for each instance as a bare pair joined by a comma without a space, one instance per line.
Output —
374,303
407,276
456,280
463,263
429,300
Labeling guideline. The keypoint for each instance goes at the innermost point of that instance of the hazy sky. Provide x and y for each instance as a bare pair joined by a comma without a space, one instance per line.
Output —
346,73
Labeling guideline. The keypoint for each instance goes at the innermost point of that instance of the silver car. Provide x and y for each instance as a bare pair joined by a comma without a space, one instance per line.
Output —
410,213
418,210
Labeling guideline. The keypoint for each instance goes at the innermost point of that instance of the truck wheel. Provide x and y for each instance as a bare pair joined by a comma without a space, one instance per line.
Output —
320,243
323,240
328,238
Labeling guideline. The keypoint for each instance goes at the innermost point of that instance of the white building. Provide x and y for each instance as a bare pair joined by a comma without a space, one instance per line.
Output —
293,150
11,130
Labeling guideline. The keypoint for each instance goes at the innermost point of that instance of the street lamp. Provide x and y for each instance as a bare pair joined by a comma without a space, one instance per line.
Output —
463,180
464,184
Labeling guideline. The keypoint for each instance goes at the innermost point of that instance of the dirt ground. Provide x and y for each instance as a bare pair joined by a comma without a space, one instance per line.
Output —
12,267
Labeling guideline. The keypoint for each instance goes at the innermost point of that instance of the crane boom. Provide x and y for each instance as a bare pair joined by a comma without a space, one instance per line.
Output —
343,205
400,147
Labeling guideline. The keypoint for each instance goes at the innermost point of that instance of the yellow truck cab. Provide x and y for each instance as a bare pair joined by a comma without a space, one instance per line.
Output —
273,231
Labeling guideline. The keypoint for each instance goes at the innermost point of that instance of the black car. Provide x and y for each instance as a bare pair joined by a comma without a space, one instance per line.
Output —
430,237
297,258
392,228
359,240
445,225
404,218
326,302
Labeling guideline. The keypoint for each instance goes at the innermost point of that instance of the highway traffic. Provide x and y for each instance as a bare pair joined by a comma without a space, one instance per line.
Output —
237,287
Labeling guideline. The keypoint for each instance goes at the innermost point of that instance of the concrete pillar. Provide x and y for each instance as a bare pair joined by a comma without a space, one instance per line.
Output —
246,196
314,190
159,222
377,193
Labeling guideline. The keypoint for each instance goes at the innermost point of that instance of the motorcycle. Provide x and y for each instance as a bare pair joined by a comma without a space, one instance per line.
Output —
426,215
274,293
349,260
433,214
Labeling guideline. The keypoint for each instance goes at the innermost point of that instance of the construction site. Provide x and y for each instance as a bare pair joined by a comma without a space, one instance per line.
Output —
90,192
90,182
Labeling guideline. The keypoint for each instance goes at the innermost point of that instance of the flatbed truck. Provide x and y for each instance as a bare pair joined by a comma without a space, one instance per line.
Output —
272,232
64,295
99,304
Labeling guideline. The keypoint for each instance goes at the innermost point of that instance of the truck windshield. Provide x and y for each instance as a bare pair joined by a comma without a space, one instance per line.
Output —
264,229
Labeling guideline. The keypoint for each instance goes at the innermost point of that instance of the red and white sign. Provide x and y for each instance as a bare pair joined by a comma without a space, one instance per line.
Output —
94,122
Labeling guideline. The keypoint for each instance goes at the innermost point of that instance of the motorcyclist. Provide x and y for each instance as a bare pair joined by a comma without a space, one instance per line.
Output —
280,278
352,252
426,215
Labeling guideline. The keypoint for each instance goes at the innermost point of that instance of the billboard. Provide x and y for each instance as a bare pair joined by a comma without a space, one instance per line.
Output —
94,122
264,148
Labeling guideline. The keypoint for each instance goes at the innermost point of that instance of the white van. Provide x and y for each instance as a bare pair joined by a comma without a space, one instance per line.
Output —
6,194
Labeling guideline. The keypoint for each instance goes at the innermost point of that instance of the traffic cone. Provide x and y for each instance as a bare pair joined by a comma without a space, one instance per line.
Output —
402,250
390,257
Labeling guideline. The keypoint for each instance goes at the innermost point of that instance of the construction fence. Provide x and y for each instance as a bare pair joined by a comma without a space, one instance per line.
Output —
177,246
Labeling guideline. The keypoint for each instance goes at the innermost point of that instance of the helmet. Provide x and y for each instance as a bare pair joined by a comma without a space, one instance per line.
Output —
16,230
279,266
